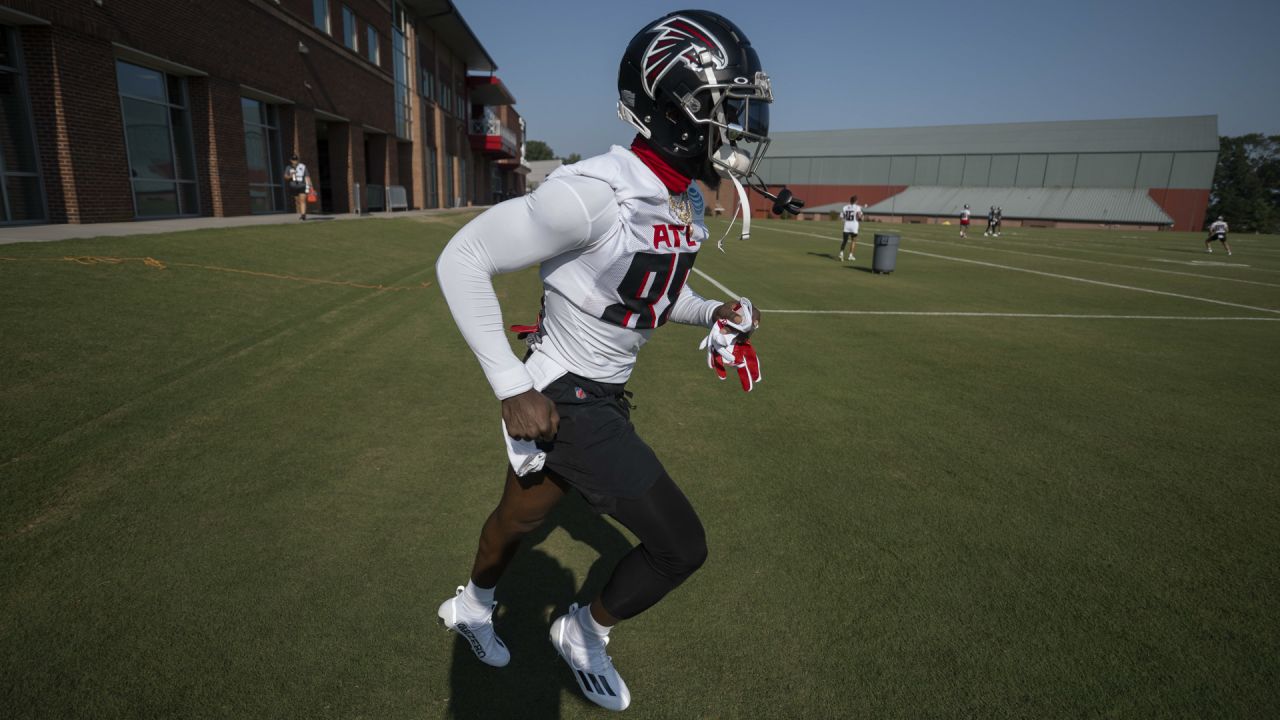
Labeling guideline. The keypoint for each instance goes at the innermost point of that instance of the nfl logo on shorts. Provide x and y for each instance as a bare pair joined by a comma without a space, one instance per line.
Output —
580,393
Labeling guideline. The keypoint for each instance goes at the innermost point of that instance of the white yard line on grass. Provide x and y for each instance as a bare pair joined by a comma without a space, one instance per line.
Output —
715,282
1092,262
1065,316
1071,278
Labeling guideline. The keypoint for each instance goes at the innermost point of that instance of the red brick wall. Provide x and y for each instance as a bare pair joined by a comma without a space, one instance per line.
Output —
217,126
72,84
71,70
1186,207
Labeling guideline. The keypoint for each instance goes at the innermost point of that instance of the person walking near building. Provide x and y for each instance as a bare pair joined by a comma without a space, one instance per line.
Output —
298,182
964,221
852,215
1217,231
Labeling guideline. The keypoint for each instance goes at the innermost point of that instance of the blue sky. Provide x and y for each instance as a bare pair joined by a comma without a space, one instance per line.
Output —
897,64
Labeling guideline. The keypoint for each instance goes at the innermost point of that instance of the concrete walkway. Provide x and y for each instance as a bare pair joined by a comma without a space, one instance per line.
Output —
67,231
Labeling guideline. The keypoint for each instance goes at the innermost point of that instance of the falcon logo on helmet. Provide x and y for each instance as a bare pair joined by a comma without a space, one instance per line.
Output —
679,39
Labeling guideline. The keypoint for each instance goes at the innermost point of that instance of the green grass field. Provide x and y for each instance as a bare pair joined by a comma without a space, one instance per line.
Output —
235,481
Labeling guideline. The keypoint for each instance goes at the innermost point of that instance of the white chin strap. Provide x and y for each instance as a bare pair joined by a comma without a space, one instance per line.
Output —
731,161
744,207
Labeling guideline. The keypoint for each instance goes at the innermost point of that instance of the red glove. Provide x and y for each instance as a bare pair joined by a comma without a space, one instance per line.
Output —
744,359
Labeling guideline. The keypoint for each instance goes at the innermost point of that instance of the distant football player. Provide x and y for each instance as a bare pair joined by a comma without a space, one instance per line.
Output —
999,221
615,237
964,221
991,222
1217,231
852,215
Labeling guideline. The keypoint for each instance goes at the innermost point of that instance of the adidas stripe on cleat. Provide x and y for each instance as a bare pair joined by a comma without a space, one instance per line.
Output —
476,630
592,668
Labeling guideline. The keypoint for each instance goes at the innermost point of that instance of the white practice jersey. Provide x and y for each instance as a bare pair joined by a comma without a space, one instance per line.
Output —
616,249
1218,228
851,214
964,214
297,173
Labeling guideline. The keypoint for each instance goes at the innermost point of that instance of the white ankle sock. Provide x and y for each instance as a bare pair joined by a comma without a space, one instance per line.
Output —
589,624
477,598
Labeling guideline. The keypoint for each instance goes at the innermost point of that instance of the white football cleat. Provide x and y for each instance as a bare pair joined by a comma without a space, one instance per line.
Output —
592,668
852,258
841,257
478,631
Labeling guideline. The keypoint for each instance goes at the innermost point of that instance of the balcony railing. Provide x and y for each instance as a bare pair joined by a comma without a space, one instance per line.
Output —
488,134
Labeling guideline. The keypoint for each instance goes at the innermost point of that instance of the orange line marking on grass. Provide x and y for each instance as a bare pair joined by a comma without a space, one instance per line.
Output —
161,265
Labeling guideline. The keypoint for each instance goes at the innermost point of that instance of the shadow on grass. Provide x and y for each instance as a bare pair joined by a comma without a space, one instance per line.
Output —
860,268
535,590
828,256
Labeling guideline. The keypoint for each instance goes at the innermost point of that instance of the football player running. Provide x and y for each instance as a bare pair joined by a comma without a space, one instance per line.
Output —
852,215
1217,231
615,237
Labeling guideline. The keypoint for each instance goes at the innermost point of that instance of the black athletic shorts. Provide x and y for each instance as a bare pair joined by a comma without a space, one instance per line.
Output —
596,448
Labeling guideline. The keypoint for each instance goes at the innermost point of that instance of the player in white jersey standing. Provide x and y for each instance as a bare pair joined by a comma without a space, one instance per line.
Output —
1217,231
852,215
615,236
964,220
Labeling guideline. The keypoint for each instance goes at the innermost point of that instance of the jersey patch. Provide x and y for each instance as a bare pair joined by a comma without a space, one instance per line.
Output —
699,204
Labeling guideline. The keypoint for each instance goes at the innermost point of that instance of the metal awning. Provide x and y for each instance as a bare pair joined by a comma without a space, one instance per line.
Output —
489,90
443,17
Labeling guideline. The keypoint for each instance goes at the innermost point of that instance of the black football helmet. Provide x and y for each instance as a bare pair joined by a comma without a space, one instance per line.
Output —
692,85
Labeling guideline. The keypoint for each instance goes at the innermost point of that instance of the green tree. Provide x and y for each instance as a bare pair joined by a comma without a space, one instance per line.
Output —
573,158
1246,183
538,150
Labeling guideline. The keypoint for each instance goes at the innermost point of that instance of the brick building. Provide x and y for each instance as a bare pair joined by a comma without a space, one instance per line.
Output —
114,110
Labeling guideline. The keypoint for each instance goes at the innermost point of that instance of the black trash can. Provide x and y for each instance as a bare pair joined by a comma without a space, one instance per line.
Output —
886,254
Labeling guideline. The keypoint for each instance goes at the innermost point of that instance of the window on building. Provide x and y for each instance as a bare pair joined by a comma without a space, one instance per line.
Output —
464,182
426,81
265,162
432,184
400,69
157,129
320,15
350,30
373,48
21,196
449,199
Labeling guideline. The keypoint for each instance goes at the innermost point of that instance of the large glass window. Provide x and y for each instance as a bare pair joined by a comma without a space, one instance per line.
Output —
262,147
320,15
432,185
400,69
350,32
449,199
21,197
157,128
372,47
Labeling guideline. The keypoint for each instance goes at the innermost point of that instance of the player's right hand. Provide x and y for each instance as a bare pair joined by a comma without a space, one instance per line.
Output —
530,416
